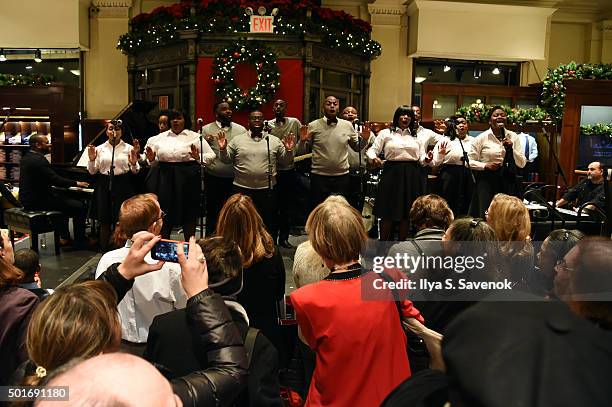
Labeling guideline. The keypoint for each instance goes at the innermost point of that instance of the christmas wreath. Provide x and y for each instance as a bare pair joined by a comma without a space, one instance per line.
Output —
7,79
224,72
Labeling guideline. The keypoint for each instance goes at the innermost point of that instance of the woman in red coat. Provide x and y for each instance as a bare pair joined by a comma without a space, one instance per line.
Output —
360,345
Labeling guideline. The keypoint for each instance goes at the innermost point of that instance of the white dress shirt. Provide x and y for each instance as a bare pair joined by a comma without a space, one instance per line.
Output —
427,137
533,146
152,294
104,154
175,148
486,148
454,153
398,145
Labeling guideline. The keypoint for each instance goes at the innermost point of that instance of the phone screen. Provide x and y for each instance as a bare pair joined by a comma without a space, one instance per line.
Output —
166,250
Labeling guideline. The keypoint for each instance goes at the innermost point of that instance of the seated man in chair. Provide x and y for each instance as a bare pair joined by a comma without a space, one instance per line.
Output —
587,190
35,189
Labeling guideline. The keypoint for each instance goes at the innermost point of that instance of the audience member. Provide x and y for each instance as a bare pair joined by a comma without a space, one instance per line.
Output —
171,345
264,270
152,294
27,260
553,249
509,217
338,324
16,306
78,320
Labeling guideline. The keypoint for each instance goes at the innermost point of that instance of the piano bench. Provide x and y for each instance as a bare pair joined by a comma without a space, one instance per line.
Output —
33,223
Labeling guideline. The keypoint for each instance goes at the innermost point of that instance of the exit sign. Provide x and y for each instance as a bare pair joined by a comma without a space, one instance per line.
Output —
262,24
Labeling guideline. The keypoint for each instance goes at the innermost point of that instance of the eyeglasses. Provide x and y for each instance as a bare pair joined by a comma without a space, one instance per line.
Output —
161,216
562,265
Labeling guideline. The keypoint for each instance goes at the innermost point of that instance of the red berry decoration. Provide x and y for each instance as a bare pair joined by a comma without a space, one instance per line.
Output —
236,54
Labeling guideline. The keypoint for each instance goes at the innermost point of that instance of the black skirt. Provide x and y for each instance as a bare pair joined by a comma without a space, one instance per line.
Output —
122,190
178,191
401,182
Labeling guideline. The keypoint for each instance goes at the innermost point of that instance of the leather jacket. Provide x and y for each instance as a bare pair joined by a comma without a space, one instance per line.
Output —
211,322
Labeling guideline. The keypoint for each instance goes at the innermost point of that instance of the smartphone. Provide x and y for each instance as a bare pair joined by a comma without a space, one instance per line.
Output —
166,250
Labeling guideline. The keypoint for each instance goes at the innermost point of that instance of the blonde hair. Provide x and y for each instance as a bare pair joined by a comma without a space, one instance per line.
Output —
240,222
336,231
79,320
509,217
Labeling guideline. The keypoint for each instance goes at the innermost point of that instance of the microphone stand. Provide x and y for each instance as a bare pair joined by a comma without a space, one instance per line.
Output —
111,176
202,183
558,171
360,197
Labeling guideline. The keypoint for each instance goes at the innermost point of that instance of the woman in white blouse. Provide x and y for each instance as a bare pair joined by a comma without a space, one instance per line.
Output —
402,179
495,156
107,200
177,151
456,180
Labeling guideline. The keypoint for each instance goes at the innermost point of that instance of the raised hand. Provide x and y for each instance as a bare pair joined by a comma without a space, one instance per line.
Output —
91,152
439,126
150,154
304,135
134,264
365,131
194,153
429,157
136,146
442,149
222,140
194,273
209,138
289,141
133,157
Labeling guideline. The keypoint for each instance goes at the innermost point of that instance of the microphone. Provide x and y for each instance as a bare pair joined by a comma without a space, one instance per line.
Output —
117,123
502,129
356,123
200,121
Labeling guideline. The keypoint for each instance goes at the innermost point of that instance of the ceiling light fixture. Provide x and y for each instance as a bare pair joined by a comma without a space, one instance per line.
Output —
477,71
38,56
496,70
2,55
446,68
28,66
60,68
420,79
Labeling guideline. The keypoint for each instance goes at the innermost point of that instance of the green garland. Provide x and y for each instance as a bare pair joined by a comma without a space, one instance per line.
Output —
7,79
477,113
224,71
599,129
553,89
337,28
552,100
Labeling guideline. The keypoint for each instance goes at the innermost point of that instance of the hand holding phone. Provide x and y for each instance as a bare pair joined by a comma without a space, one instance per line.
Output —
194,275
167,250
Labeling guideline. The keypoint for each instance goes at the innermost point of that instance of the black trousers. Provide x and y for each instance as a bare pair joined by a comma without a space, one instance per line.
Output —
489,183
266,203
71,208
457,188
287,192
218,189
322,186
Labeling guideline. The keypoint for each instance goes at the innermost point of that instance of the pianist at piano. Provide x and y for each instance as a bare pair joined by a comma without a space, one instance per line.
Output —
588,190
36,192
107,201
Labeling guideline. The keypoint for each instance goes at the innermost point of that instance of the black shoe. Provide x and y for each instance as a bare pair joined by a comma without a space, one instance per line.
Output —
285,244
